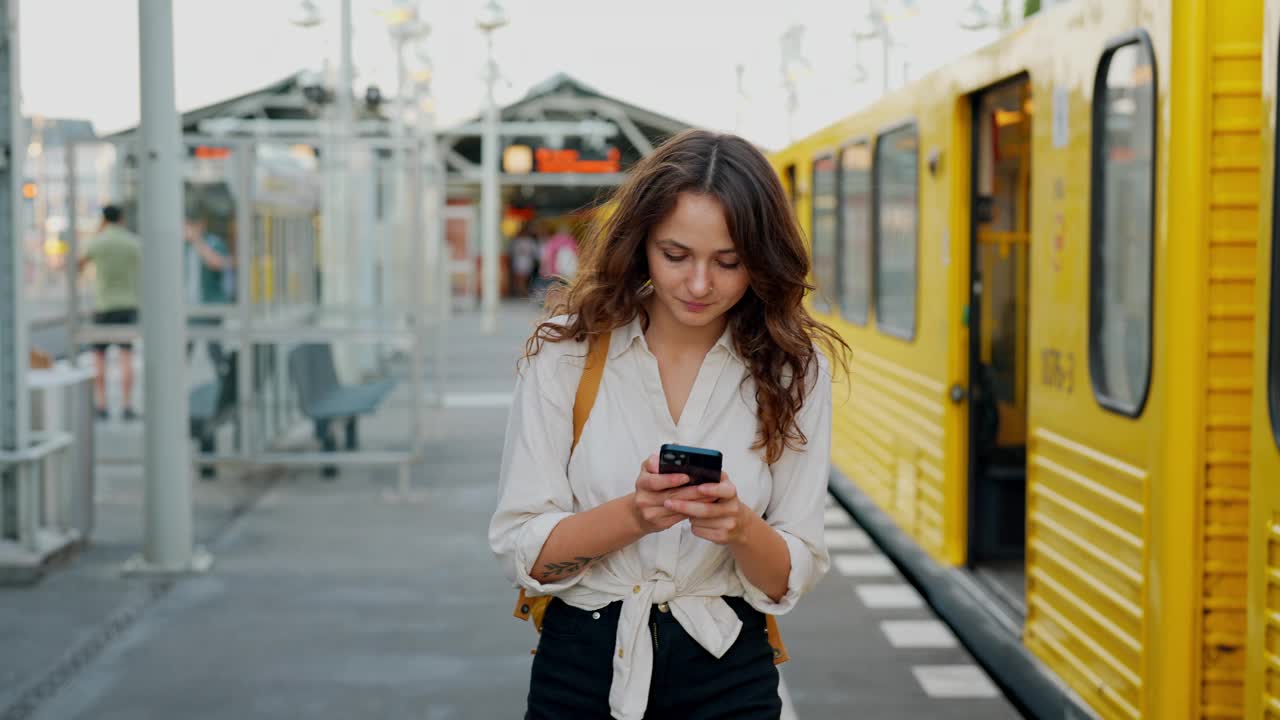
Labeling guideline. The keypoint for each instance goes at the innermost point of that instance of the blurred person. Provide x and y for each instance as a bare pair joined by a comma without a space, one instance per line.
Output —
542,270
209,278
116,256
560,256
524,255
690,297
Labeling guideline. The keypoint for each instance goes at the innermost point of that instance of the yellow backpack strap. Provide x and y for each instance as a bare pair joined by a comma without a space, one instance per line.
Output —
588,387
775,640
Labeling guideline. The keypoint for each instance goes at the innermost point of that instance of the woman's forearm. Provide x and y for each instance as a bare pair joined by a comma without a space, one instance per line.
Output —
763,557
585,537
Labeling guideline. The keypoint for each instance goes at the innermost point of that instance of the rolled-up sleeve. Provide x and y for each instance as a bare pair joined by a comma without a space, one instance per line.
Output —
533,486
796,501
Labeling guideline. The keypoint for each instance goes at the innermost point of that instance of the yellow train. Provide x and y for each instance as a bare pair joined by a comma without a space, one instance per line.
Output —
1047,258
1262,696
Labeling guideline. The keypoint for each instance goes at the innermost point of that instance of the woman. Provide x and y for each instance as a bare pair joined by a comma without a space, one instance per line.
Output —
697,279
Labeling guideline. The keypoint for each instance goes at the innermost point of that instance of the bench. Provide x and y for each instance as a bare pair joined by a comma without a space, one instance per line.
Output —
210,405
324,400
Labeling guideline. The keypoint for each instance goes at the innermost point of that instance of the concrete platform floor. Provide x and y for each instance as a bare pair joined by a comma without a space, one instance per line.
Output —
330,599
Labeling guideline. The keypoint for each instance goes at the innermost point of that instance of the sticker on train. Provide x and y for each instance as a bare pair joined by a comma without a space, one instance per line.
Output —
1058,369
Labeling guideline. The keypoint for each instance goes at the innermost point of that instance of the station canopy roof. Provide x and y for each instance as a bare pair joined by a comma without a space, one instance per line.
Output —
291,98
567,170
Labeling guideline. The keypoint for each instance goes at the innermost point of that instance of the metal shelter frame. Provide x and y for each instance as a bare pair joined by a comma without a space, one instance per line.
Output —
416,225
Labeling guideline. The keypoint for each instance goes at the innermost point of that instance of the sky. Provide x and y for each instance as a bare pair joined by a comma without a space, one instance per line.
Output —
79,58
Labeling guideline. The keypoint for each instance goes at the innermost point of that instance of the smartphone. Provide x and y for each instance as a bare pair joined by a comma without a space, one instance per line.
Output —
700,464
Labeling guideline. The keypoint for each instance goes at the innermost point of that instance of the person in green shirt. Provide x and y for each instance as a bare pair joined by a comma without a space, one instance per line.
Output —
116,255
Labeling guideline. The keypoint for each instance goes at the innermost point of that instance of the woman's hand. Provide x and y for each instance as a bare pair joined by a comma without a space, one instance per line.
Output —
654,490
716,515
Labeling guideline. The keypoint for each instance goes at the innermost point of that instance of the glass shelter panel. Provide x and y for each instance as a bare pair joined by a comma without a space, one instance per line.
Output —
855,232
1120,298
897,212
825,250
309,295
61,171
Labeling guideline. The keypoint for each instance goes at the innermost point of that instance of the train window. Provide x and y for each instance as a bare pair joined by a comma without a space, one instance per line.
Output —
896,210
789,179
1122,222
825,265
855,232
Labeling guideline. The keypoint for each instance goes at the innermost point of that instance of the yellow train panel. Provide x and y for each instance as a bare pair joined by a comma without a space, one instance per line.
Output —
1262,624
895,442
1136,528
1235,80
1085,553
1089,470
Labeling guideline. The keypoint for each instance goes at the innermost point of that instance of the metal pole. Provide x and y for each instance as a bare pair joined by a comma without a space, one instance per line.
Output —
14,411
73,255
489,198
886,44
339,271
399,170
168,545
346,76
249,431
436,245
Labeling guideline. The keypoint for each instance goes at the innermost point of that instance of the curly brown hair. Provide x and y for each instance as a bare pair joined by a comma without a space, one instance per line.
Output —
772,330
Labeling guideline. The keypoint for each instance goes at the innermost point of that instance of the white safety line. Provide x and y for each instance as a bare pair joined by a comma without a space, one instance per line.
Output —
862,565
477,400
954,681
918,634
836,517
897,596
851,538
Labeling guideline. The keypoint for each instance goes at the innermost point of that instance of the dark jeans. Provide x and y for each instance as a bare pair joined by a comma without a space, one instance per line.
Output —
573,669
119,316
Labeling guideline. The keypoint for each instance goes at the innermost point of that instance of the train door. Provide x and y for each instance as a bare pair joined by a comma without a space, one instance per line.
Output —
1001,194
789,180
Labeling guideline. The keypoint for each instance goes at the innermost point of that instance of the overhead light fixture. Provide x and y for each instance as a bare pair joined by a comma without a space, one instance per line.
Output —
868,25
491,17
976,17
517,159
308,15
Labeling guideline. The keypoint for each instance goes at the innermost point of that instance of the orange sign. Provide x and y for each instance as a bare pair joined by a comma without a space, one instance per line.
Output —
567,161
207,152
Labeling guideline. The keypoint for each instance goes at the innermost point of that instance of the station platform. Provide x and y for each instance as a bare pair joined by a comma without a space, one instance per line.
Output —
340,599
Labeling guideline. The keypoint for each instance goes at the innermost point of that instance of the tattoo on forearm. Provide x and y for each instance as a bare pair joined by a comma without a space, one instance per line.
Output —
569,567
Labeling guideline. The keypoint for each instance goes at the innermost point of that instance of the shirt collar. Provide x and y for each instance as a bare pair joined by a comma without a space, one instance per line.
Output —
633,332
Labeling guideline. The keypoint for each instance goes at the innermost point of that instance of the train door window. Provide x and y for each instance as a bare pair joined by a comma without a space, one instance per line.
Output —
789,177
1122,225
855,232
825,250
896,212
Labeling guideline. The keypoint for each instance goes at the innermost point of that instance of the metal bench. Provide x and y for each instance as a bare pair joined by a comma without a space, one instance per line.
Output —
323,399
210,405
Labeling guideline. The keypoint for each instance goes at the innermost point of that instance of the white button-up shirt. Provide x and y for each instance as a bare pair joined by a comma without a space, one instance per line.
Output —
540,485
